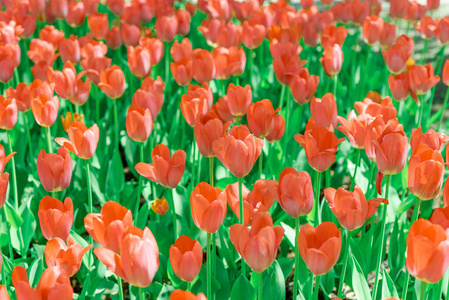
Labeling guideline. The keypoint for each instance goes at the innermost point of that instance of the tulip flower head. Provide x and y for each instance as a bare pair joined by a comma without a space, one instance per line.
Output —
8,113
209,128
435,140
55,217
186,295
112,82
139,123
160,206
82,141
332,60
324,111
208,207
186,258
54,170
295,192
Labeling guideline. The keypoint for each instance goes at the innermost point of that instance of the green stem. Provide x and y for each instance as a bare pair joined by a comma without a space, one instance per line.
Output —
139,189
422,292
317,197
260,164
382,237
440,288
116,125
211,170
11,253
250,65
167,67
97,104
30,146
335,79
317,287
14,175
120,288
443,109
357,163
345,263
209,269
142,293
48,136
260,285
281,102
424,53
287,117
89,199
295,274
175,225
242,218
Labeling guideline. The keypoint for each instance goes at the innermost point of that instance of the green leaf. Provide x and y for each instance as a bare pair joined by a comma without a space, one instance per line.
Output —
115,179
360,285
388,288
243,289
12,217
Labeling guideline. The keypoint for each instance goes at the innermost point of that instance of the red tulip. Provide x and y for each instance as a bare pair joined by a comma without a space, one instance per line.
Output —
130,34
415,11
4,183
239,99
203,66
82,140
399,86
385,109
354,128
54,170
150,95
69,49
286,62
183,17
440,216
209,128
8,113
76,14
303,86
229,62
332,60
324,111
398,8
22,96
388,35
186,295
180,51
114,37
55,217
396,56
139,61
139,123
295,192
435,140
426,27
112,82
98,25
253,34
446,73
333,35
208,207
442,30
165,170
186,258
222,110
196,102
422,78
45,109
372,29
261,117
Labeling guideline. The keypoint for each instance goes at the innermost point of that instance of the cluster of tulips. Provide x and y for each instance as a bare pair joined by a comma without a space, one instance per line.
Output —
196,97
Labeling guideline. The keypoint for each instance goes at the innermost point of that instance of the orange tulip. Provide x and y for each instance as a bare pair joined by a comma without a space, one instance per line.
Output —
82,140
319,247
165,170
52,35
67,257
446,73
244,9
388,35
116,6
94,61
238,151
45,109
55,217
261,117
239,99
138,260
54,170
222,110
21,94
320,145
415,11
186,295
253,34
203,65
324,111
396,56
372,29
229,62
69,119
258,245
166,27
4,182
112,82
180,51
284,35
399,86
98,25
333,35
76,14
425,172
41,51
427,251
391,149
303,86
182,71
130,34
295,192
208,128
286,62
8,113
160,206
184,18
3,293
373,130
398,8
139,123
442,31
139,61
351,208
53,284
4,159
108,227
422,78
150,95
332,60
310,35
440,216
435,140
426,27
186,258
354,128
69,49
232,196
114,37
208,207
278,130
385,109
196,102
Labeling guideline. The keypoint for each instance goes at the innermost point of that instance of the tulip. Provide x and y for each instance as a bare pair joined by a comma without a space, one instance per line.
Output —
398,8
160,206
222,110
442,31
139,123
435,140
351,208
76,14
426,27
52,35
183,17
4,159
54,170
232,196
320,247
253,34
388,35
303,86
258,245
4,182
112,82
292,34
67,257
396,56
195,103
155,47
138,260
45,109
295,192
82,140
165,170
21,94
108,227
427,251
8,113
229,62
399,86
332,60
425,172
69,119
278,130
324,111
166,27
180,51
139,61
53,284
150,95
260,117
186,258
372,29
114,37
238,151
182,71
69,49
186,295
116,6
208,207
286,62
440,216
130,34
4,293
239,99
208,128
446,73
354,128
203,66
95,66
98,25
320,145
55,217
385,109
422,78
263,195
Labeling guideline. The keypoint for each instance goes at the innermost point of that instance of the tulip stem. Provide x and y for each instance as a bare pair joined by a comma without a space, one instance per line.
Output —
167,67
287,117
30,146
48,136
260,285
422,292
317,287
11,253
97,104
172,204
250,65
260,164
414,218
281,102
382,237
424,53
139,189
89,198
421,110
357,163
317,198
443,109
295,274
14,175
211,171
242,218
116,126
345,263
142,293
120,288
209,268
335,79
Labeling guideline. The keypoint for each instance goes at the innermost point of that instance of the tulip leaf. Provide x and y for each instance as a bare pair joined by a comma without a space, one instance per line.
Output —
360,285
12,217
35,271
115,179
242,289
388,288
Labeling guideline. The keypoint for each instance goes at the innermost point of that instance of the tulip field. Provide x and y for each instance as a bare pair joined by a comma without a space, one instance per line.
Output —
224,149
